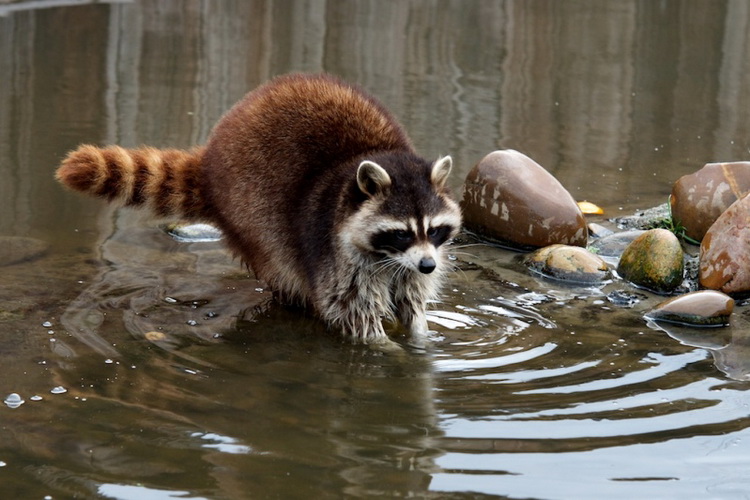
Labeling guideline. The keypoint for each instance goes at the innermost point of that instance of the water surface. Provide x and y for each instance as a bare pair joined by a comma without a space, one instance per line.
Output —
152,368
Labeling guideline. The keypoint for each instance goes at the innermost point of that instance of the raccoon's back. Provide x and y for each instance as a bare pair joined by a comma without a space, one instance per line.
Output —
278,160
303,124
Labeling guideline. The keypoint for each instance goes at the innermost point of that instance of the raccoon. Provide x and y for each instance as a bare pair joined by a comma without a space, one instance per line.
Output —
317,189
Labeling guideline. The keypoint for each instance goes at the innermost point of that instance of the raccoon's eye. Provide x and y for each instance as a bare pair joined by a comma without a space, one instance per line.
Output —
396,239
438,235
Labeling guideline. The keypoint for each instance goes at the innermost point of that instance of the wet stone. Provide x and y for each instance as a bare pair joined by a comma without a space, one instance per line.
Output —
612,245
654,260
644,219
568,263
16,249
154,336
700,198
193,233
700,308
725,251
623,298
510,198
13,400
598,231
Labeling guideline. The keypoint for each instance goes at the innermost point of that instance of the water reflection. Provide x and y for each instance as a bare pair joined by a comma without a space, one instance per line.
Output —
728,346
181,379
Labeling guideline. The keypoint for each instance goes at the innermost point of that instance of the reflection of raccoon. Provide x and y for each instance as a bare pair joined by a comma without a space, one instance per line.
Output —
316,187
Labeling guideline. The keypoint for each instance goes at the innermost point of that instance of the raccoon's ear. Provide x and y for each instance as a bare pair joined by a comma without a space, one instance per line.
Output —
441,169
372,179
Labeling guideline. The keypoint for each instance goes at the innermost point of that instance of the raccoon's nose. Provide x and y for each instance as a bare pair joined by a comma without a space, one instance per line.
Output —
427,265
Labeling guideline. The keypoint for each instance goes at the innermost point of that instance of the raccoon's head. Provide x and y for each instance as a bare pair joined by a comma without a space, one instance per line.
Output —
407,214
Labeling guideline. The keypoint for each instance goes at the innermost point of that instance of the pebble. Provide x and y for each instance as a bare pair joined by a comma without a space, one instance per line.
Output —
654,260
510,198
155,336
568,263
624,298
700,308
725,251
13,400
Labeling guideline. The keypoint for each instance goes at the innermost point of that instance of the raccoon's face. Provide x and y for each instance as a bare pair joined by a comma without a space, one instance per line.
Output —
415,243
408,215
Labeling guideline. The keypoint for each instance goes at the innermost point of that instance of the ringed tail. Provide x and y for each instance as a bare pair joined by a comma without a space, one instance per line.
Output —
168,181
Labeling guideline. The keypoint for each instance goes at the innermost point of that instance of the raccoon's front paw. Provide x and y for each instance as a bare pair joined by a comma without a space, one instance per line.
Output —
387,346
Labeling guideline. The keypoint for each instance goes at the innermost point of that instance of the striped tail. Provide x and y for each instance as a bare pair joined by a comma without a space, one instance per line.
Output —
168,181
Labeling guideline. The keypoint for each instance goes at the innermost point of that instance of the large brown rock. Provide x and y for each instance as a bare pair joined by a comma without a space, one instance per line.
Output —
725,251
510,198
700,198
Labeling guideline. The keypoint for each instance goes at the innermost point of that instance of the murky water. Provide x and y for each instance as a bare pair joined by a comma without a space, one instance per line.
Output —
150,368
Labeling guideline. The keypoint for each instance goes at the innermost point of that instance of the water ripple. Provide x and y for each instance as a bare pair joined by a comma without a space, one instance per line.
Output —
666,365
462,365
722,410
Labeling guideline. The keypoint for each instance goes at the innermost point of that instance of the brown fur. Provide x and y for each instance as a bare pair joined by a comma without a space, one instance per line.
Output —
294,129
279,176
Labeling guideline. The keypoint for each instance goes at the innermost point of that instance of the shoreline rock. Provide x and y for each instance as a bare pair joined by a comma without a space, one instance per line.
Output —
725,251
511,199
698,199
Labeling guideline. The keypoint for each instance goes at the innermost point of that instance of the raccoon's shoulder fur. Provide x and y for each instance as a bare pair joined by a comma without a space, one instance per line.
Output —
316,187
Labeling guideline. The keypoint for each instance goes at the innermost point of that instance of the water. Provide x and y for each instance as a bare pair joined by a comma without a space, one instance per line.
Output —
154,368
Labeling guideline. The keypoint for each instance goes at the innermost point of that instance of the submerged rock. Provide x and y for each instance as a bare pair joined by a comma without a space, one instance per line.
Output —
644,219
568,263
598,231
15,249
624,298
510,198
612,245
654,260
725,251
701,308
700,198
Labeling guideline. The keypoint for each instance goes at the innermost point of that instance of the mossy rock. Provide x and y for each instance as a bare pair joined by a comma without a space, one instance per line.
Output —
654,260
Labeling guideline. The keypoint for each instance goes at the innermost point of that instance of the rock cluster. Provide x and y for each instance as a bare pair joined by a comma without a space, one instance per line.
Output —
511,199
713,206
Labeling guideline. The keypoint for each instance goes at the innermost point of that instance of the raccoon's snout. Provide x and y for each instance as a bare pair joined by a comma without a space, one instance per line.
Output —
427,265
